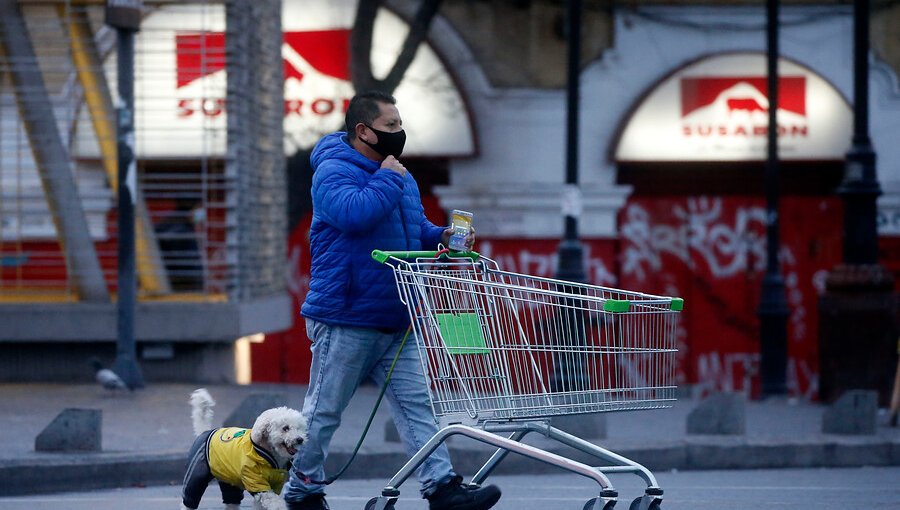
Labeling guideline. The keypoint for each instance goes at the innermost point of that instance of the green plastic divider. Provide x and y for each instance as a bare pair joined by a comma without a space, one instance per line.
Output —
677,304
616,305
382,256
462,333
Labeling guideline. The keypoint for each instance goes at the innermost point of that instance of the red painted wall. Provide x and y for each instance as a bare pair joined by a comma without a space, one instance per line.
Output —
708,250
712,252
285,356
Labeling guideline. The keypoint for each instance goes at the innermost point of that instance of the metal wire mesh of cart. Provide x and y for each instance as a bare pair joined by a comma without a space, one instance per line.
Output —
497,345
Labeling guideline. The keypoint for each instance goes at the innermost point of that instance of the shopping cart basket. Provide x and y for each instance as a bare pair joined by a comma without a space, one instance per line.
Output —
504,353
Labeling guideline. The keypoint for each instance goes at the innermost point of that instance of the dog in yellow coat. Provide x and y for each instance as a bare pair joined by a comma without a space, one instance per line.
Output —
255,459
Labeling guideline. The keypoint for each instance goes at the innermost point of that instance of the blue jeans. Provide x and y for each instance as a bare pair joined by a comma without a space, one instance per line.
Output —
342,358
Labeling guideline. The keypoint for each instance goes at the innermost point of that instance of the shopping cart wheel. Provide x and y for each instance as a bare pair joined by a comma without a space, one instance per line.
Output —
599,504
640,504
381,503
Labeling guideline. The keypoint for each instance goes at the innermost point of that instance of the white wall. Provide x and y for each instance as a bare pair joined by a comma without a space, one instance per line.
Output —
514,186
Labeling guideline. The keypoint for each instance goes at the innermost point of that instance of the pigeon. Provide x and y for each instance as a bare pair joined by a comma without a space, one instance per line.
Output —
107,378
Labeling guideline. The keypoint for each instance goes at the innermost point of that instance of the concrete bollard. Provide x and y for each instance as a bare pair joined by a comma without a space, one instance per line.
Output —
854,413
246,413
721,413
73,430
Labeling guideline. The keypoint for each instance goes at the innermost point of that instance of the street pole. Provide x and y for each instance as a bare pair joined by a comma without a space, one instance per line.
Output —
773,310
571,252
857,327
860,188
568,374
125,16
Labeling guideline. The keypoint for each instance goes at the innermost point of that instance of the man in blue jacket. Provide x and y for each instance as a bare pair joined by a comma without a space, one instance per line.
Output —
364,198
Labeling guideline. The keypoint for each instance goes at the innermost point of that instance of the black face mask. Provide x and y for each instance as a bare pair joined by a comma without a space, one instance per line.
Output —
389,144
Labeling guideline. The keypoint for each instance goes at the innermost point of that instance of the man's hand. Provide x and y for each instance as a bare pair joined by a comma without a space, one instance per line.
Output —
391,163
470,239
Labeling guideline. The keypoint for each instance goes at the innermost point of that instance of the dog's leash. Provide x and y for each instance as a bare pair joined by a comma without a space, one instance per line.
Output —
307,480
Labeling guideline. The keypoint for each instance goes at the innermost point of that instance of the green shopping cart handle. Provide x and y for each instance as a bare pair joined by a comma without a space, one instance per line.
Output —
382,256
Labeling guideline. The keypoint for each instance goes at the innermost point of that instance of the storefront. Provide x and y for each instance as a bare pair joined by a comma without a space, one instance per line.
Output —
673,145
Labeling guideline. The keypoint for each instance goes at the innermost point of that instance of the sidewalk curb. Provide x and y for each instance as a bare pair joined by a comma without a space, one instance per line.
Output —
80,472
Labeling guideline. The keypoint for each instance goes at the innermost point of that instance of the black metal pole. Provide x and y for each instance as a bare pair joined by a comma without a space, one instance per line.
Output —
859,306
571,252
568,373
860,187
773,310
126,359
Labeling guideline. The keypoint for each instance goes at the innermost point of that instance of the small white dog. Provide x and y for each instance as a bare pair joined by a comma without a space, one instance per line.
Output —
255,460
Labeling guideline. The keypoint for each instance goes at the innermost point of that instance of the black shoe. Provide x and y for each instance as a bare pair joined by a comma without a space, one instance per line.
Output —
456,496
311,502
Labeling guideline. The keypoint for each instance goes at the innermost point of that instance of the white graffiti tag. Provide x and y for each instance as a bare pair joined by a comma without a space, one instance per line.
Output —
725,249
736,371
544,264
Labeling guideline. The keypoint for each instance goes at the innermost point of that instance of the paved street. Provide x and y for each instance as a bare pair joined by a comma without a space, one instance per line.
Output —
822,489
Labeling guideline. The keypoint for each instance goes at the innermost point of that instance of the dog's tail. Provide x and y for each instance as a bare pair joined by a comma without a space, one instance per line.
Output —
201,410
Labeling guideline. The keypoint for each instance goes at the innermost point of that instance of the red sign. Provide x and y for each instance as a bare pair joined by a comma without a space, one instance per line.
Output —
738,107
187,86
747,93
328,51
717,109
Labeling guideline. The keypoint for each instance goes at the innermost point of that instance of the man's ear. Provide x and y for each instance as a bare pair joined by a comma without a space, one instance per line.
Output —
360,130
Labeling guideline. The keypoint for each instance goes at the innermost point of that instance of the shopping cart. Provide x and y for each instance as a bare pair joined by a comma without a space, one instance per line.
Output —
504,353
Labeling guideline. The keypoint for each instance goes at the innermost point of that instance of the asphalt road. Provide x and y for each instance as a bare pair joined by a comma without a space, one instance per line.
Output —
820,489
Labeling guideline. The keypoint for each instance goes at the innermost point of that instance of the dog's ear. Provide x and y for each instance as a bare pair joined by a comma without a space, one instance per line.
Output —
261,430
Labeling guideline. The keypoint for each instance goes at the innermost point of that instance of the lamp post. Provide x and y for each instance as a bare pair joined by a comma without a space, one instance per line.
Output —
125,17
773,310
571,252
568,373
859,307
860,188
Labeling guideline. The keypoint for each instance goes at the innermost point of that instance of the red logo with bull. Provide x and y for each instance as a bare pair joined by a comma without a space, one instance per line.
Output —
320,57
738,106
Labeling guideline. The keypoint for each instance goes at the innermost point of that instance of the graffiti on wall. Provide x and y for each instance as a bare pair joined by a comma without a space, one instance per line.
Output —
712,252
701,235
540,258
709,250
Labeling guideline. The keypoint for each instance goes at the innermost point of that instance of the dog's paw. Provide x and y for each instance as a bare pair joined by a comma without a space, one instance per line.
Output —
268,501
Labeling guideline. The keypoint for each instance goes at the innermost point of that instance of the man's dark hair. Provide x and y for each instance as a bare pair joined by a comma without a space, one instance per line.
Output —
364,108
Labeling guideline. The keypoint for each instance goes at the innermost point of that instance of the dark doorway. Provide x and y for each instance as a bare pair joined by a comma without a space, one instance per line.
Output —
729,178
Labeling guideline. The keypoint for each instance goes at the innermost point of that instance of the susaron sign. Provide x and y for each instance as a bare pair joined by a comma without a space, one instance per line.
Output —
180,88
717,109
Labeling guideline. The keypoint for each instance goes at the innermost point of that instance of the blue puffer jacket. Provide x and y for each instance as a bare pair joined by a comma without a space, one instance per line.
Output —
357,207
